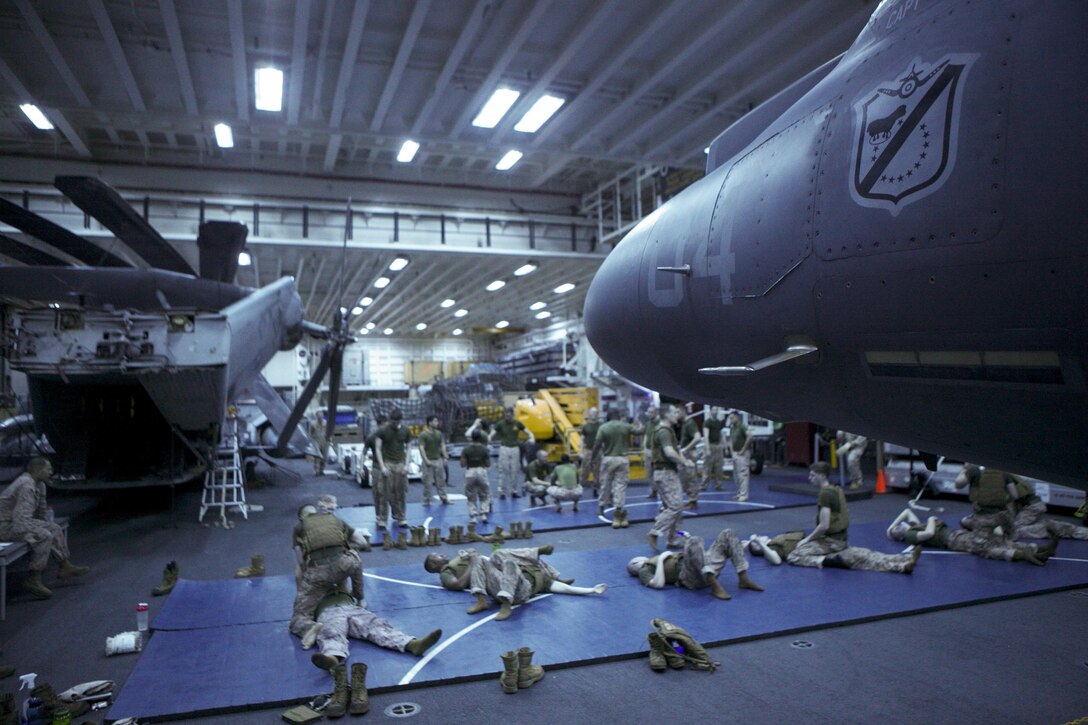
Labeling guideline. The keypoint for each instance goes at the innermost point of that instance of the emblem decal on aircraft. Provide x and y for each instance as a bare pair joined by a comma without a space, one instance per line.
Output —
906,132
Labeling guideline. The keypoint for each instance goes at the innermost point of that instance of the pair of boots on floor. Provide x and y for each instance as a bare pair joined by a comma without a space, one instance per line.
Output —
518,671
619,517
351,698
34,584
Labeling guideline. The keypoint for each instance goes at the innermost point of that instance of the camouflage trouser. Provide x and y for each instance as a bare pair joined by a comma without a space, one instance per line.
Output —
986,522
712,465
315,583
1028,517
1036,527
986,545
812,553
434,474
477,491
853,466
591,469
396,489
689,477
698,561
44,538
509,469
536,489
668,521
339,623
377,490
615,472
558,493
741,463
501,574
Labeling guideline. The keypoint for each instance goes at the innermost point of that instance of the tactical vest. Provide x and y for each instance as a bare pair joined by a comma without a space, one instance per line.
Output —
840,520
660,460
320,531
991,489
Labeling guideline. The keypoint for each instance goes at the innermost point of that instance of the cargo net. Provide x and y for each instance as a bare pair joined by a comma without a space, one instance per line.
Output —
460,401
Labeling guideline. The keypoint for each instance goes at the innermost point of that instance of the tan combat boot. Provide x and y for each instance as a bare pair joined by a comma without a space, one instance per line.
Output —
360,700
255,568
657,652
496,536
472,536
387,541
515,530
169,579
402,541
338,705
528,673
417,536
527,530
67,569
34,585
509,677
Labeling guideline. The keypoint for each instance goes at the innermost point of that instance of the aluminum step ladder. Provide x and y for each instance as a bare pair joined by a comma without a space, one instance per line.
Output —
224,483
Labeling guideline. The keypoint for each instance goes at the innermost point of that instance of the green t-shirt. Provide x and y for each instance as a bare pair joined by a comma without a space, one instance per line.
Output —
663,438
738,436
589,434
394,443
671,567
475,455
432,440
714,430
508,432
452,571
832,497
566,475
615,438
688,432
537,470
938,541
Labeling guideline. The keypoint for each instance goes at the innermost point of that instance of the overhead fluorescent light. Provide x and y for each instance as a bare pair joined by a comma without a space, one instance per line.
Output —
421,326
538,305
387,331
447,303
461,312
458,331
366,301
269,89
224,139
525,269
407,151
343,310
563,288
364,331
507,162
243,259
539,114
398,263
495,108
502,323
36,116
543,315
496,285
370,325
706,150
381,282
356,310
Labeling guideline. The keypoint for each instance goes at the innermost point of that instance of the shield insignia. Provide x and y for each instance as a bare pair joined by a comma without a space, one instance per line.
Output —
906,132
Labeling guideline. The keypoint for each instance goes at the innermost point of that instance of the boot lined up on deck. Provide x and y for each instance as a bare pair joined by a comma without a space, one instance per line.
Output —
169,579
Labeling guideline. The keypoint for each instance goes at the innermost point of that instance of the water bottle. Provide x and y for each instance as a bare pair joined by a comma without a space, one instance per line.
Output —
34,713
141,622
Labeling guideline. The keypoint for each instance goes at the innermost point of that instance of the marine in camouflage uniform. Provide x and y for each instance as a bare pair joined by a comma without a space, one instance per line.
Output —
377,480
323,545
509,432
613,444
475,460
342,618
432,445
697,567
391,446
740,445
827,545
564,484
689,478
935,534
666,458
591,458
1029,522
853,448
536,477
991,493
652,420
714,458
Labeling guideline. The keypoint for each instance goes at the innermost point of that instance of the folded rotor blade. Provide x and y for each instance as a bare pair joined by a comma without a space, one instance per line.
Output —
28,255
336,367
304,399
57,236
102,201
277,412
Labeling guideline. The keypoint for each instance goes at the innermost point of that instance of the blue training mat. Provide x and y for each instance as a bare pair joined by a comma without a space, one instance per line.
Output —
200,670
546,518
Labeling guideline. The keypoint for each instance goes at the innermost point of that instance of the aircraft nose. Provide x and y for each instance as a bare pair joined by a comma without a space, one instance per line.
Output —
612,306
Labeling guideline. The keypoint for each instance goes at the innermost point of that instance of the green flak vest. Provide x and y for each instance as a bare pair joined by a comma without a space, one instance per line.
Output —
322,530
991,489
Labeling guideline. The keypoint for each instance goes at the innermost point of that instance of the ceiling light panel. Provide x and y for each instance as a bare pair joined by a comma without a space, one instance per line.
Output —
501,324
407,151
539,114
495,108
223,136
527,268
495,286
244,259
460,313
538,306
563,288
269,89
383,282
507,162
399,263
36,116
447,303
458,331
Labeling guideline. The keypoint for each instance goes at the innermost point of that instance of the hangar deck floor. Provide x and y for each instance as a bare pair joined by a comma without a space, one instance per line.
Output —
1020,660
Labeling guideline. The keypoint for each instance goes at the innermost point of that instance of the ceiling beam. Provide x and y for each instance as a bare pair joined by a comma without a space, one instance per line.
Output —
717,31
600,75
343,80
498,66
52,51
298,61
316,101
113,46
236,23
411,33
467,37
53,114
585,30
177,52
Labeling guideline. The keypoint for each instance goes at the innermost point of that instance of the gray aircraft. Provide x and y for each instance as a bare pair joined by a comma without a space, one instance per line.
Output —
894,245
131,370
